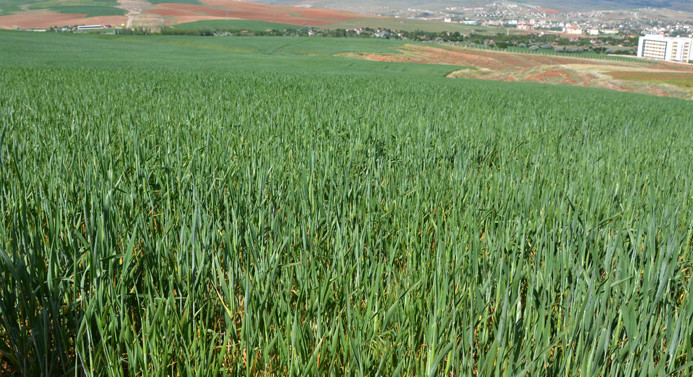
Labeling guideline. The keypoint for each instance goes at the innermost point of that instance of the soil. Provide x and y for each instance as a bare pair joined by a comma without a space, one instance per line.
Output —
222,9
142,14
506,66
49,19
548,11
134,8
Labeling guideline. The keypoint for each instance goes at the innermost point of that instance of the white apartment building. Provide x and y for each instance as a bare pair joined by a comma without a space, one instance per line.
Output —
572,30
659,47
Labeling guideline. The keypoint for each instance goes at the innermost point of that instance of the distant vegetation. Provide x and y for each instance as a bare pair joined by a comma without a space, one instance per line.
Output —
234,25
564,5
15,6
533,43
682,80
408,25
88,10
174,1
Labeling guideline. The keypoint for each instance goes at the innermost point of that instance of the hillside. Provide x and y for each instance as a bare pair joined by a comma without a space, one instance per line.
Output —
261,206
42,14
608,72
563,5
157,13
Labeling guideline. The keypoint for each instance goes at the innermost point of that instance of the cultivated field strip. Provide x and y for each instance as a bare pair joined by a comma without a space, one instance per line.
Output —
162,222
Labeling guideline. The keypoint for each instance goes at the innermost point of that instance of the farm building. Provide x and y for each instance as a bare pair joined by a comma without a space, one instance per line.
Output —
90,27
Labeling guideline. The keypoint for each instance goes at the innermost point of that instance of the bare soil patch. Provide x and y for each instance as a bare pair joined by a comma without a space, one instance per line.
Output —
507,66
222,9
134,8
48,19
548,11
142,14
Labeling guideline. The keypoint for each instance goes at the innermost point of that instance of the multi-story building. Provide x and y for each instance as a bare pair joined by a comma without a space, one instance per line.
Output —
572,30
659,47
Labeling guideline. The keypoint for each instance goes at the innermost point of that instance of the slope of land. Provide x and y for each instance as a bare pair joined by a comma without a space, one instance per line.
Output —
49,19
225,24
630,75
44,14
157,13
563,5
136,18
195,206
394,23
140,13
226,9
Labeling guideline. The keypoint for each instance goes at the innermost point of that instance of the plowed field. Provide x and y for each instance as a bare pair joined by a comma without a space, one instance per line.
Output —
140,13
220,9
48,19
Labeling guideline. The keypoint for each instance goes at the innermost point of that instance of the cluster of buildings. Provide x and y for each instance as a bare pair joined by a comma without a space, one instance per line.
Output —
594,31
529,17
659,47
73,28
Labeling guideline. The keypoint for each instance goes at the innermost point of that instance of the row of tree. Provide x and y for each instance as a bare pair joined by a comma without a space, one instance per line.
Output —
533,42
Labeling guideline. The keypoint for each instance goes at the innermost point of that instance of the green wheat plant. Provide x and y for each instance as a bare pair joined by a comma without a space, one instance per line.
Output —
168,222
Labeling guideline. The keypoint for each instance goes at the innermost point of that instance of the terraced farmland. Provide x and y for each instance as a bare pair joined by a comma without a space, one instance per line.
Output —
188,207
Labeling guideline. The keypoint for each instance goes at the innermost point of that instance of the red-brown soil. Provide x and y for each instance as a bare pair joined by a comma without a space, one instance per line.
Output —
179,13
548,11
48,19
506,66
223,9
472,58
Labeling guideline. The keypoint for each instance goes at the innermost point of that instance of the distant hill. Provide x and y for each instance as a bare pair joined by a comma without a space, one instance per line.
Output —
157,13
618,4
564,5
